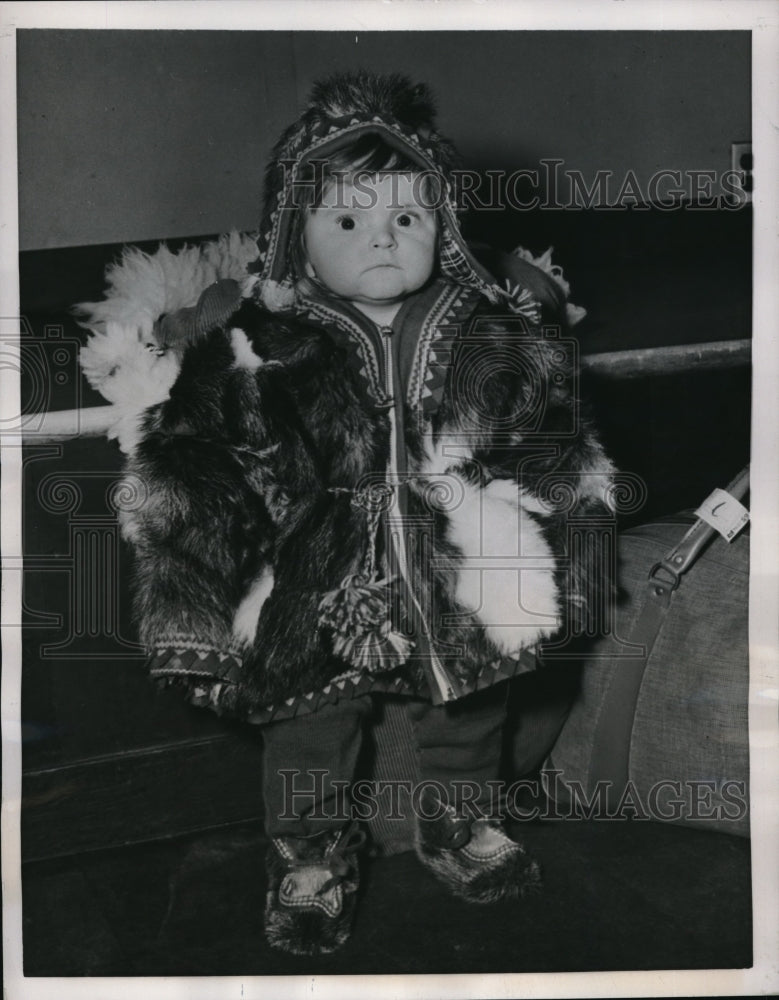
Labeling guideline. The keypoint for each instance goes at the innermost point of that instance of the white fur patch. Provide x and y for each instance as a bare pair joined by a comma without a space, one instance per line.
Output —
598,483
128,526
243,351
248,613
127,429
507,576
506,579
118,365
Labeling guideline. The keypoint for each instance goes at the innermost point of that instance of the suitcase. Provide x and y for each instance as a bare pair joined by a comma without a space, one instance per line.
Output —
659,727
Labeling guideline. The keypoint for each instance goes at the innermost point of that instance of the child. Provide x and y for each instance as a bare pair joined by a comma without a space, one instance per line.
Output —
350,491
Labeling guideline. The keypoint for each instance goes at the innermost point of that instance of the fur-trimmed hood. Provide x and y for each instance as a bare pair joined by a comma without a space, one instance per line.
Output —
341,110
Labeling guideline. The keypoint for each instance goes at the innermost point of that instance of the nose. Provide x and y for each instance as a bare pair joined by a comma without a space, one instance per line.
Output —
382,238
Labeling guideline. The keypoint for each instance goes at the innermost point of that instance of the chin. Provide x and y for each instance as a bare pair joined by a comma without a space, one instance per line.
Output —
385,296
387,284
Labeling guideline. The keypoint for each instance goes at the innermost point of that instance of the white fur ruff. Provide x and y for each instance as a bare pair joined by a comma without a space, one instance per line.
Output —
120,358
141,287
123,370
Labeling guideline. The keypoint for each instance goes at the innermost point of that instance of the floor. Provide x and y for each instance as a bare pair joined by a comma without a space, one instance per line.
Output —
628,895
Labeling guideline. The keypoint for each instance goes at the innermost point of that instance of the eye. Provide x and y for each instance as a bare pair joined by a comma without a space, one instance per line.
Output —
345,222
406,219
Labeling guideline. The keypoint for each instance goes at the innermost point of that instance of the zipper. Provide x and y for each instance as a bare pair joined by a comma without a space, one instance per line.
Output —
398,543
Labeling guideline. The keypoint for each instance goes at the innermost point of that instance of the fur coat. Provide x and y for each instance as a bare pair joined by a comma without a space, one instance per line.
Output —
327,507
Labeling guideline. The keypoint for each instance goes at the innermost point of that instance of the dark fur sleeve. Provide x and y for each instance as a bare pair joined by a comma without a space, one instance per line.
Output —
212,470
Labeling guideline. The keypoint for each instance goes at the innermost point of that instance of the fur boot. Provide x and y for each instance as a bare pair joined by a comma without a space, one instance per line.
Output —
476,859
312,890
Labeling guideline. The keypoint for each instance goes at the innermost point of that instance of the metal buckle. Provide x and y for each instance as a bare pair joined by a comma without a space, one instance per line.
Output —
672,583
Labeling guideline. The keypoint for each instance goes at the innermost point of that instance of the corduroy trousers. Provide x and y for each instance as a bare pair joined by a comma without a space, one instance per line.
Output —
310,761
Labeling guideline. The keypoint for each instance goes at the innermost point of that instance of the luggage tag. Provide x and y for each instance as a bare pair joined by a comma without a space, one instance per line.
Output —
724,513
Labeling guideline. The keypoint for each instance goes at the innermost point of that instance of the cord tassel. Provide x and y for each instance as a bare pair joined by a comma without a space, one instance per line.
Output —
357,614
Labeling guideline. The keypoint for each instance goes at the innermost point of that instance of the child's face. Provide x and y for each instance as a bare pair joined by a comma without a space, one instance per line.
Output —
372,241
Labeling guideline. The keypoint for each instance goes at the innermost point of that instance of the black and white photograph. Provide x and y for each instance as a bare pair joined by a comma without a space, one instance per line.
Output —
389,448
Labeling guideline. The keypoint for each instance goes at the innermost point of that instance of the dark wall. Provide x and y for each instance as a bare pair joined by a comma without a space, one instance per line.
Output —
132,135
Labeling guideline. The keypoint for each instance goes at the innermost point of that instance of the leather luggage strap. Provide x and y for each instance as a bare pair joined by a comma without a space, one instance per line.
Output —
610,759
680,558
